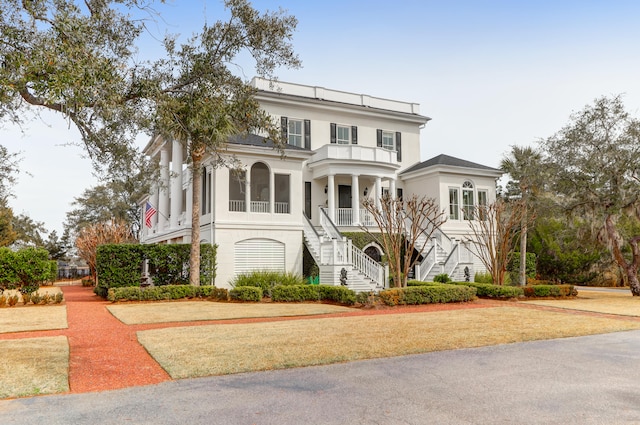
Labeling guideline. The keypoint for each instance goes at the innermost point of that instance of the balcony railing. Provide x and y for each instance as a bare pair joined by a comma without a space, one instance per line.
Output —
236,205
344,217
260,206
281,207
356,153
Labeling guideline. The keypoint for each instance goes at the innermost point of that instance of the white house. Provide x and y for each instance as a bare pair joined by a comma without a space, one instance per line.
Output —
342,147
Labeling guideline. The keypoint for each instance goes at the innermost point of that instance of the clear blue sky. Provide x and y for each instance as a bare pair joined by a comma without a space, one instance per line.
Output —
490,74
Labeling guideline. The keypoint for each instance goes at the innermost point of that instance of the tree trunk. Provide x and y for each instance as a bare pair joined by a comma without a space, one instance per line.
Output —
523,253
630,269
194,260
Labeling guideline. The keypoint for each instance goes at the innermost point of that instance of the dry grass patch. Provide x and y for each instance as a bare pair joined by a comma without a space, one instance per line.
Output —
34,366
33,318
622,303
190,311
223,349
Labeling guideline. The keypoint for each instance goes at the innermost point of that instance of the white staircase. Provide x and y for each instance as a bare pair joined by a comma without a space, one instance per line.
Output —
337,258
441,254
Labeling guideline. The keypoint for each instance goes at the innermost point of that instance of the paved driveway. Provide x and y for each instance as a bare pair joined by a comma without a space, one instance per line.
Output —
585,380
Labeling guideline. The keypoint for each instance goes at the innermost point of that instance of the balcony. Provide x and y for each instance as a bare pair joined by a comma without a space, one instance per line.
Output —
355,153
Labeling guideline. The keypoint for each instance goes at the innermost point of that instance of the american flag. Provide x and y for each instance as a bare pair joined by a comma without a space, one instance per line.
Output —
148,214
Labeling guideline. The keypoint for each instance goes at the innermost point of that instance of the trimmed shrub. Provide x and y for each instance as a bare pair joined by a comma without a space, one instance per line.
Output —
338,294
121,265
246,293
556,291
166,292
168,264
295,293
427,294
488,290
421,283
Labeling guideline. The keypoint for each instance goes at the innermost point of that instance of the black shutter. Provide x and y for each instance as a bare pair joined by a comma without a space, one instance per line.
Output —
379,138
333,133
354,135
399,193
307,134
284,123
399,145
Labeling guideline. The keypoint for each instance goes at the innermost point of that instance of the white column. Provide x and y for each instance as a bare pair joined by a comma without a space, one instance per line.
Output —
378,192
355,200
392,188
176,183
189,200
331,204
163,201
247,191
143,227
272,192
154,204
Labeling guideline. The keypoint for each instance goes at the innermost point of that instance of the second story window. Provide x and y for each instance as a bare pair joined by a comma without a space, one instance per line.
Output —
391,141
296,132
296,135
344,134
388,140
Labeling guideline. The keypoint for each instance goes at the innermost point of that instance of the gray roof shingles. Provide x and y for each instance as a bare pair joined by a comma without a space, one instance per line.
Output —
449,161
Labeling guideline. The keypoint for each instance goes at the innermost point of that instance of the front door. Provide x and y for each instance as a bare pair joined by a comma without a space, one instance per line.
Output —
344,196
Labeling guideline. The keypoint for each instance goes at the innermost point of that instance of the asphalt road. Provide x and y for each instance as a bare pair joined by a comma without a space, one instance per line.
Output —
585,380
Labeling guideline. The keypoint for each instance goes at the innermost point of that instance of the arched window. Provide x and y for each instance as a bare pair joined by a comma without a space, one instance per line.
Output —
260,190
467,200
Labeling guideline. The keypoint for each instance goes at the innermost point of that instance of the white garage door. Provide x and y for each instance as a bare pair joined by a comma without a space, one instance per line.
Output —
259,254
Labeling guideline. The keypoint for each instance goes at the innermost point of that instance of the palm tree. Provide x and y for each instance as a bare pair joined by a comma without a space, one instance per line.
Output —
523,164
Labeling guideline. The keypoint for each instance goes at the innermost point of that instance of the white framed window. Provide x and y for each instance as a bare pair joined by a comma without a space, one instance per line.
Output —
388,140
454,204
467,200
482,204
296,133
343,135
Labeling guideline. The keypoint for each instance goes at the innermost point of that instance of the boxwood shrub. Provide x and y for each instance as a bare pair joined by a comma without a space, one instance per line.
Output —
167,292
246,293
488,290
556,291
338,294
424,294
299,293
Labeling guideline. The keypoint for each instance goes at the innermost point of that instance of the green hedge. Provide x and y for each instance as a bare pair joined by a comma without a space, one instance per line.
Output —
246,293
488,290
121,265
27,267
557,291
442,293
299,293
166,292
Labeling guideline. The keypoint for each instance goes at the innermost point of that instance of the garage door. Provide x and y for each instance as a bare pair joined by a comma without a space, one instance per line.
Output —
259,254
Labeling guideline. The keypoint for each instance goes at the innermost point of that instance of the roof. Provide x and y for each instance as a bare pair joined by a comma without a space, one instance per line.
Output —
254,140
448,161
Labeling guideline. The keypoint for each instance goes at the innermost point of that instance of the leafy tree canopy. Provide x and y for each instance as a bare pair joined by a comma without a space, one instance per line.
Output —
595,164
